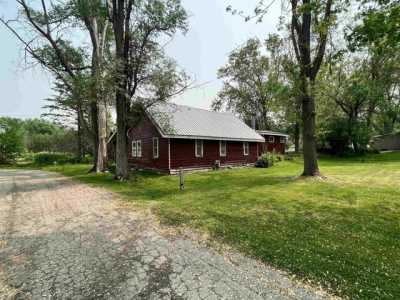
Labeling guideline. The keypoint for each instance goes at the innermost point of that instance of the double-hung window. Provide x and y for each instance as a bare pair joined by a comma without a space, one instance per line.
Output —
222,148
271,139
283,140
137,148
155,147
245,148
199,148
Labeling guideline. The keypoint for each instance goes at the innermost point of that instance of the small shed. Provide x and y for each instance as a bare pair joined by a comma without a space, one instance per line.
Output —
386,142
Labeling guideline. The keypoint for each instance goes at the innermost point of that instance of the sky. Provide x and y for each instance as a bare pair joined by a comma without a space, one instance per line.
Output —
213,34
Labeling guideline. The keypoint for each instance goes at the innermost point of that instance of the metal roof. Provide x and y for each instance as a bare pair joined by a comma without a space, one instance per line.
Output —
181,121
269,132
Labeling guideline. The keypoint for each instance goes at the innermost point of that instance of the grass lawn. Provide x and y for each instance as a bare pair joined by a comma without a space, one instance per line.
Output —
342,232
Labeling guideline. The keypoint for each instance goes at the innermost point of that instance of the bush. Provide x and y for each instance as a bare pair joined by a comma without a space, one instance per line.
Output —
268,159
46,158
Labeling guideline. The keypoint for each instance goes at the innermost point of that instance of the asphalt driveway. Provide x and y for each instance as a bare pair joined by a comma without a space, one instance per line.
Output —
64,240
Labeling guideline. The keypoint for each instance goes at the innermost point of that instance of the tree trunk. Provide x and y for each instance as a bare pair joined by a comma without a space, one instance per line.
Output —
309,141
102,157
95,133
297,137
121,154
79,137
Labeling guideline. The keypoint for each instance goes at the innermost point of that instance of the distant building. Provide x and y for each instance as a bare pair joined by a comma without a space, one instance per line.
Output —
274,141
386,142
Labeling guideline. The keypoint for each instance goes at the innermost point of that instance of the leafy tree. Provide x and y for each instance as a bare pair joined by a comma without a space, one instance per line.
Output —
11,139
250,85
143,76
309,24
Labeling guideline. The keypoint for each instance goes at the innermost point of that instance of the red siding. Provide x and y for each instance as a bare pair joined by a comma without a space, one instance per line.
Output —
182,151
145,132
183,154
276,145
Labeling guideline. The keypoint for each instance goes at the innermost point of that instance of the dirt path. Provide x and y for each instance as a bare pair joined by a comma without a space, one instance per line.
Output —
64,240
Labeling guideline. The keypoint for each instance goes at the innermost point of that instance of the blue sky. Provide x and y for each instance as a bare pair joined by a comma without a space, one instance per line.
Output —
213,33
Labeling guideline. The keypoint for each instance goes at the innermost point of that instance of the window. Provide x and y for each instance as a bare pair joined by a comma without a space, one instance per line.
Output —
222,148
134,149
137,148
282,140
155,147
245,148
199,148
271,139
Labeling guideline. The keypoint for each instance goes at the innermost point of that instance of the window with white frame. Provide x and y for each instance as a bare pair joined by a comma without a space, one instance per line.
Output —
155,147
199,148
137,148
283,139
222,148
271,139
134,149
245,148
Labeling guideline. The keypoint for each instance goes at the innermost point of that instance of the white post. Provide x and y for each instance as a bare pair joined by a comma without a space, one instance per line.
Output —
181,180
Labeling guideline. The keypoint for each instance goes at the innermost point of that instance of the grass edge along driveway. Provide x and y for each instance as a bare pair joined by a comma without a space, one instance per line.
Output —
341,233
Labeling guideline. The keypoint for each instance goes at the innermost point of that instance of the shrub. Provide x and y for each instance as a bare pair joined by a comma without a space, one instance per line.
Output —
47,158
269,159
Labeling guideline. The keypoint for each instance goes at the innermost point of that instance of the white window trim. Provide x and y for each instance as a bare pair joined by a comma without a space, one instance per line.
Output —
220,148
246,153
157,144
271,139
195,148
134,149
282,140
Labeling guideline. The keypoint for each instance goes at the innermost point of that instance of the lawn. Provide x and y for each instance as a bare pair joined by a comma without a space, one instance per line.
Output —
342,232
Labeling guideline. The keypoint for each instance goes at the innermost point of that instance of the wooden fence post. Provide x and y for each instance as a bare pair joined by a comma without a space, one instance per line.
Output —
181,180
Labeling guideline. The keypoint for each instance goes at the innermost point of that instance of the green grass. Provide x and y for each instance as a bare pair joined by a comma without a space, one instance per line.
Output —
342,232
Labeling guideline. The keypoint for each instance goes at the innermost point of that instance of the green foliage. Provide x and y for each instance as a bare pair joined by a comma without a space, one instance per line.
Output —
340,233
252,85
11,139
53,158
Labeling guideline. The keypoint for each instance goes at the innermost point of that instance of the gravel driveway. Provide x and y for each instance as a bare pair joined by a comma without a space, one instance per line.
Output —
64,240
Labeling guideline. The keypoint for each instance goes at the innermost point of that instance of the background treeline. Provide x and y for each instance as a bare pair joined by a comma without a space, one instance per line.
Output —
25,137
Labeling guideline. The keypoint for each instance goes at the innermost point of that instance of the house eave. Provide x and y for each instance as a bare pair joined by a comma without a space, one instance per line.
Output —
211,138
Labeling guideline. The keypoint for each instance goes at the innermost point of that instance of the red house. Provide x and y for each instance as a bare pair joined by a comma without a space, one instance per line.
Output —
173,136
274,141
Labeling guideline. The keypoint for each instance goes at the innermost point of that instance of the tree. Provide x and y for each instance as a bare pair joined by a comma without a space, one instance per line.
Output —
251,83
43,37
309,25
11,139
93,13
137,26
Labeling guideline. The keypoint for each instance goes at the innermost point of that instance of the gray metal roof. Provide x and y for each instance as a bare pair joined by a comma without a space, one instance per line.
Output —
180,121
269,132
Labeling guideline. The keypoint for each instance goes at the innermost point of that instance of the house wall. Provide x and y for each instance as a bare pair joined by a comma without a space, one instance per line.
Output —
276,145
183,154
145,132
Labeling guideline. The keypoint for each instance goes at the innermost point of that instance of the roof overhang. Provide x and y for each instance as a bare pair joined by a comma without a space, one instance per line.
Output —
272,133
211,138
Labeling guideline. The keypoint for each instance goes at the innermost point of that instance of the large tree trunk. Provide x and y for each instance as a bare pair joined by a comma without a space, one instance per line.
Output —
121,154
309,141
